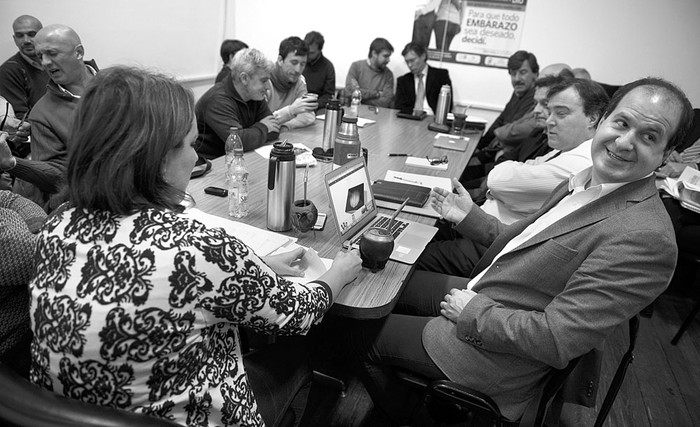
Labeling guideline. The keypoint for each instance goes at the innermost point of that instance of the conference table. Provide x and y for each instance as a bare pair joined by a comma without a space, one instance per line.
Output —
371,295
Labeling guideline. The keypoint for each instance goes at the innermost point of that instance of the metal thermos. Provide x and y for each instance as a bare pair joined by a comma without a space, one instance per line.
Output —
280,186
330,126
347,142
443,104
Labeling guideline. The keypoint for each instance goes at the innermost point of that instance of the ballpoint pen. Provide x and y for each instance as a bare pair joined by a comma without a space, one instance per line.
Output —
407,180
398,155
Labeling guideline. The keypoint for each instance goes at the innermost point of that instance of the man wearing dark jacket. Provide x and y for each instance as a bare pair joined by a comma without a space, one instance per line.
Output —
422,79
22,78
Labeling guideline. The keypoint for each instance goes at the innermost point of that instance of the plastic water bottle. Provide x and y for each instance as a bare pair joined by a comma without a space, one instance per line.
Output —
236,175
355,100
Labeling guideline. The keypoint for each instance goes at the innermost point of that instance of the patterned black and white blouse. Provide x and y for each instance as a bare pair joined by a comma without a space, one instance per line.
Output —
142,313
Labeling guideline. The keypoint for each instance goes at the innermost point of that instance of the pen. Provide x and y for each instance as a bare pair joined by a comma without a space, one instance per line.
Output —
407,180
398,155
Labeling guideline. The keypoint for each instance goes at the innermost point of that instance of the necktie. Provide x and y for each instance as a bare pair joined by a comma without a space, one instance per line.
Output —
420,94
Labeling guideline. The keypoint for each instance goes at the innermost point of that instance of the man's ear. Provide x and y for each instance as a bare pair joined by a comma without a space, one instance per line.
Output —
593,121
244,77
280,60
80,51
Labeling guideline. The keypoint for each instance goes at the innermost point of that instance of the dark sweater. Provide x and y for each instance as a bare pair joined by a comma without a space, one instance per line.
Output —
320,79
21,83
222,107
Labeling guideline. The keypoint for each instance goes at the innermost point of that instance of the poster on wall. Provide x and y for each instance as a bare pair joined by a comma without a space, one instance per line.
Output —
474,32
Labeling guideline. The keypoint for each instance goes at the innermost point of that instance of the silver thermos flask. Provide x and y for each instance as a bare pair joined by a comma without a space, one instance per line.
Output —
280,186
330,125
443,104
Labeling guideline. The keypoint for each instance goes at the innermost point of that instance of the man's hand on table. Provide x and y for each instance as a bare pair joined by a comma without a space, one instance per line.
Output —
455,302
272,124
453,207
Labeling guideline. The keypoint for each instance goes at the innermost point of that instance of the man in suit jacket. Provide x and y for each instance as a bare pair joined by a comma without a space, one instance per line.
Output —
421,74
552,286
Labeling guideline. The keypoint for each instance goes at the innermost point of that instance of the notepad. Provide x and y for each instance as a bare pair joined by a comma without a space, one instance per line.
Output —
422,162
361,122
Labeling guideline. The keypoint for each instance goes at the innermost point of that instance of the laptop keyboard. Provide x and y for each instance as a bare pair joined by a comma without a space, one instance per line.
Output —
382,222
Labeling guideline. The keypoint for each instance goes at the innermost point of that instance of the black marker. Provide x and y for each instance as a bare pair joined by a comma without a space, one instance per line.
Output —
398,155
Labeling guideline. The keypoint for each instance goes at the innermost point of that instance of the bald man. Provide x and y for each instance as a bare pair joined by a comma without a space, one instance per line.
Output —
22,78
61,53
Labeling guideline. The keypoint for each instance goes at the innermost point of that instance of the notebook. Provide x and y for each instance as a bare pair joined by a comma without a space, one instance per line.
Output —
355,210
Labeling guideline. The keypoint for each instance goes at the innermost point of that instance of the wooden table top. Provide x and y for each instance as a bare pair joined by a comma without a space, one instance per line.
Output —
372,295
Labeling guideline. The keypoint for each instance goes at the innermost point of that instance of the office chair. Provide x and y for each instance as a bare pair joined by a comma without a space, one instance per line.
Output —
24,404
449,403
694,259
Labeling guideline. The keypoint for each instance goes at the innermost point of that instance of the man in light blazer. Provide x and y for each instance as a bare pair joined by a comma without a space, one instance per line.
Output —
552,286
431,79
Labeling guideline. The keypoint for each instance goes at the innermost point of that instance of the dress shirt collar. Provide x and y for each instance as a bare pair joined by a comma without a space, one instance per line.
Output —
582,180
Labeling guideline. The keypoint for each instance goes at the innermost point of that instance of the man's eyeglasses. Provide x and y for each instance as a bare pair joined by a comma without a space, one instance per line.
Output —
436,160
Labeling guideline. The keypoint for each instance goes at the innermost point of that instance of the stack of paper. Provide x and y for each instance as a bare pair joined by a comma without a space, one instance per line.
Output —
304,156
423,162
263,242
361,122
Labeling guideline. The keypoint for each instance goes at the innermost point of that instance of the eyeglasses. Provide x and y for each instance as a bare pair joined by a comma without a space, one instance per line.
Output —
436,160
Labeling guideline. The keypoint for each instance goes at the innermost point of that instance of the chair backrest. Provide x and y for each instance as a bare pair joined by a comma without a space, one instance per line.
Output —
24,404
619,377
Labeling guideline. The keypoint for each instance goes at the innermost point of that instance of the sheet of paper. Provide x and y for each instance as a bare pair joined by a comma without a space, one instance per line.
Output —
422,162
361,122
263,242
303,153
312,265
416,179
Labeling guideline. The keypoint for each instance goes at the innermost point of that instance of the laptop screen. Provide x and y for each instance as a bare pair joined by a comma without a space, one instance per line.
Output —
350,194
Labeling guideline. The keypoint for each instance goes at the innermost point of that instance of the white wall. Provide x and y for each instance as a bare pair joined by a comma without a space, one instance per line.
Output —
617,41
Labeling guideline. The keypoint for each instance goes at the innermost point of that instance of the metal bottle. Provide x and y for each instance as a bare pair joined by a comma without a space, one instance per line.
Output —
443,104
347,142
280,186
330,126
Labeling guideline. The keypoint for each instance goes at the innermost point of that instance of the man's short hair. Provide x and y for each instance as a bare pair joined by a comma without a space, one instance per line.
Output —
516,61
249,61
230,47
549,80
314,37
379,44
593,96
414,47
659,85
293,45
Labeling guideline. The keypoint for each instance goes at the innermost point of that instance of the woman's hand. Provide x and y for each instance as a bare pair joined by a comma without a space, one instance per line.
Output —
286,264
346,266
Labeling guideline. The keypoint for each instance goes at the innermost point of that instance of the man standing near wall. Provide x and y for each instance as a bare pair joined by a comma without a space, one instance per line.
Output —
237,101
22,78
372,77
319,72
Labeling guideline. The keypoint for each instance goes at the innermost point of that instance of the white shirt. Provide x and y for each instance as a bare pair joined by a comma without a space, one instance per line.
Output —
518,189
579,196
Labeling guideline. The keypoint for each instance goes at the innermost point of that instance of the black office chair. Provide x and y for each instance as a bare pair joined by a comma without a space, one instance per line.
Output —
24,404
450,403
695,260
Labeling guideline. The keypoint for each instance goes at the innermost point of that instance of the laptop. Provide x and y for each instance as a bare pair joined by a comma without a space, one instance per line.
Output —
355,210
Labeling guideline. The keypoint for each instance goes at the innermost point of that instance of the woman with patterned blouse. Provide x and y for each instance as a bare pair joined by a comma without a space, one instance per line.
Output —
136,305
